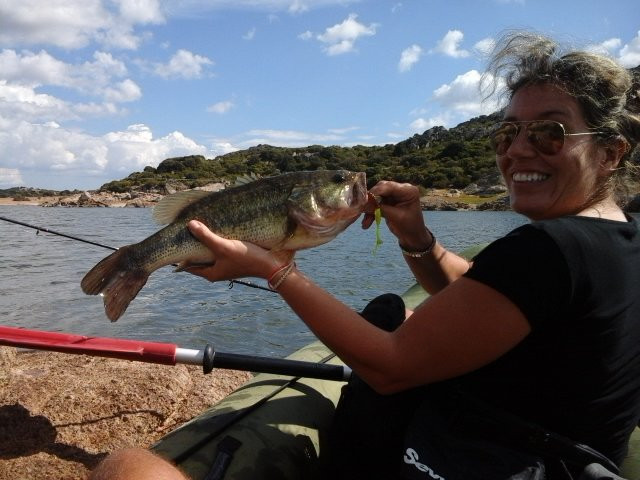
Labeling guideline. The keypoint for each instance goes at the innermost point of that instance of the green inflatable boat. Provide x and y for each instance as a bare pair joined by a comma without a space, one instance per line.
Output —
275,426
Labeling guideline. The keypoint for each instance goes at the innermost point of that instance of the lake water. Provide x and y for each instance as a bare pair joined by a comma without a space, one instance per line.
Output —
40,279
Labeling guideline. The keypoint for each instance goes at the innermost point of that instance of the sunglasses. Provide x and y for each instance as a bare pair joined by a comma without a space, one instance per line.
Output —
546,136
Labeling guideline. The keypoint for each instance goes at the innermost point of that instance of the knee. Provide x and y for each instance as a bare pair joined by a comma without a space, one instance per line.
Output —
138,463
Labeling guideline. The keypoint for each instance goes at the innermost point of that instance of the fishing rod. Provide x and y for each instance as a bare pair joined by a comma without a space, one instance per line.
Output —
166,354
84,240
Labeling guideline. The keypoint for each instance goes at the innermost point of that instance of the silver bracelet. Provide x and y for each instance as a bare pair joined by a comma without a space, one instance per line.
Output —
421,253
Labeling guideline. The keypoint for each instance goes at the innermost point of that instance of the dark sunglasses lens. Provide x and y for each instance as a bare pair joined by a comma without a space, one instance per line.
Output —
546,136
502,137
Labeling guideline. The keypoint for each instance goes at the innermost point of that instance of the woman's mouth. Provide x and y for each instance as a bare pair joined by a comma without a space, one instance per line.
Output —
529,177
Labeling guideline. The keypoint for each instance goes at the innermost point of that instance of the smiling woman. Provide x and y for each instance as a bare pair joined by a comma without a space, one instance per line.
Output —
579,119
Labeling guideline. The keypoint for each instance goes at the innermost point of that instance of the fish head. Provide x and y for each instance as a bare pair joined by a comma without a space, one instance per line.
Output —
325,202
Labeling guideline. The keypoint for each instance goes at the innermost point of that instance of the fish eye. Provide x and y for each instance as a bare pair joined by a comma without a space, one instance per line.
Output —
339,177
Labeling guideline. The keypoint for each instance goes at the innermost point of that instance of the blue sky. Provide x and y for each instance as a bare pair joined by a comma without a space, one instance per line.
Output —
92,90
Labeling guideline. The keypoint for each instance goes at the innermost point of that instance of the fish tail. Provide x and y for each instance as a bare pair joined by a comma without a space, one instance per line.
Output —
118,278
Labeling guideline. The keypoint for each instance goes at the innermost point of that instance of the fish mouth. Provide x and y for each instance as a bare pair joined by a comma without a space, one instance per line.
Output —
359,191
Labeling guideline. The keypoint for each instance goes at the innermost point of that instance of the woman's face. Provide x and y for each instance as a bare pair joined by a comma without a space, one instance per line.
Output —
547,186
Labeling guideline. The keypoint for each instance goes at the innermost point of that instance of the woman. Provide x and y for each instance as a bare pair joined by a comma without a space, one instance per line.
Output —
545,323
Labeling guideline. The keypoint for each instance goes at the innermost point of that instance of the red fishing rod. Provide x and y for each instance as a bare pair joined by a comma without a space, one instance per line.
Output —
166,354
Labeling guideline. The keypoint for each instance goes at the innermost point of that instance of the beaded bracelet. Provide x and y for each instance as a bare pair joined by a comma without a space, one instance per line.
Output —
286,270
421,253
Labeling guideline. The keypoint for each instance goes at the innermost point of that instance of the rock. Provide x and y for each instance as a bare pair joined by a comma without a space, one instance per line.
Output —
7,358
173,187
61,414
501,204
212,187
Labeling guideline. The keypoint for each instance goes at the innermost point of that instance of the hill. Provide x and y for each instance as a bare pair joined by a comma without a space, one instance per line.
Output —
438,158
454,167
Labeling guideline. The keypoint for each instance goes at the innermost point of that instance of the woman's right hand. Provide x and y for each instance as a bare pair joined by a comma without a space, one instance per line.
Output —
400,207
235,258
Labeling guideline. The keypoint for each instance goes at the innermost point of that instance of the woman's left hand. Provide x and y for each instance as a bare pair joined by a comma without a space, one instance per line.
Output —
235,258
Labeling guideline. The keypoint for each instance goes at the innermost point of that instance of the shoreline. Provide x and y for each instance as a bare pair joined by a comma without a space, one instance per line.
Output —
436,200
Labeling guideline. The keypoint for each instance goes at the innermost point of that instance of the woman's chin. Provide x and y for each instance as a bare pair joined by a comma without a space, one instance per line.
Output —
528,208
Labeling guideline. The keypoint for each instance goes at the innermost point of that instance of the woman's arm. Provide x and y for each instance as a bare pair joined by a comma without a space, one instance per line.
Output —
462,328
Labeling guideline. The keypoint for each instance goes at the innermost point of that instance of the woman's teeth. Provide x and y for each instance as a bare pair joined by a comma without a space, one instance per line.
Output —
529,177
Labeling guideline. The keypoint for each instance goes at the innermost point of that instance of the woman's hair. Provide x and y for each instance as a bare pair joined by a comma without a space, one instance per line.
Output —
607,92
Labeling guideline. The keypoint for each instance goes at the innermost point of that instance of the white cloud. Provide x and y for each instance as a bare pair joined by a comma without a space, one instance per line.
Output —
450,45
485,46
221,107
95,77
222,147
605,48
630,53
459,100
125,91
298,6
49,148
409,57
419,125
250,34
342,131
308,35
341,37
10,177
20,102
183,64
73,24
287,138
463,96
141,11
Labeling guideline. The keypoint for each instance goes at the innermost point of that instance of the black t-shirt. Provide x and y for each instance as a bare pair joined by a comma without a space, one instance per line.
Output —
577,281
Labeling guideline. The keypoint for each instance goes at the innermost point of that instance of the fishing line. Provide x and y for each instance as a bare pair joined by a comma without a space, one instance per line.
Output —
53,232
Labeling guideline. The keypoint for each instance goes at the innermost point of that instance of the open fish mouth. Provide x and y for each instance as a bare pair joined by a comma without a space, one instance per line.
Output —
359,191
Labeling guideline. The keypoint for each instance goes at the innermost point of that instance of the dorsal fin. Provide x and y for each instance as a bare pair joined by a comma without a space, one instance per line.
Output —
244,179
170,206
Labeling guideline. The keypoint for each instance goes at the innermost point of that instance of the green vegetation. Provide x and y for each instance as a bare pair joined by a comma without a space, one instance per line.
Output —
437,158
22,193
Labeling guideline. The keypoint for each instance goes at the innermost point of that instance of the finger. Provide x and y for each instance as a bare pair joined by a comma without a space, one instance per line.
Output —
367,220
202,233
200,271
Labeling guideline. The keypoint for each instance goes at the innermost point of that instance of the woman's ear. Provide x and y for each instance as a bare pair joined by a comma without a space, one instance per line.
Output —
613,154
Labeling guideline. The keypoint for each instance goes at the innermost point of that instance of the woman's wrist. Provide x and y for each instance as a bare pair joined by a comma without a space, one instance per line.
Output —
279,275
418,247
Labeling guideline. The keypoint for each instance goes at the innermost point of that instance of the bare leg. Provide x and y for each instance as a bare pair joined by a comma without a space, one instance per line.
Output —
135,463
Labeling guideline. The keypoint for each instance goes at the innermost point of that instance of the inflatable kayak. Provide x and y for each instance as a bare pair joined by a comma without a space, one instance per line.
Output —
274,426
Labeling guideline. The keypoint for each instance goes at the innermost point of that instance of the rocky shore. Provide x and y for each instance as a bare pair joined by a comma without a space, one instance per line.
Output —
61,414
470,198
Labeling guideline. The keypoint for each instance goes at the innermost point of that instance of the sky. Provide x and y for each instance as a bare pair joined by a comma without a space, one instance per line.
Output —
93,90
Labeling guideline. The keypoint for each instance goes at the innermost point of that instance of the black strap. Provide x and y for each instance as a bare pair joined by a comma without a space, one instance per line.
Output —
226,448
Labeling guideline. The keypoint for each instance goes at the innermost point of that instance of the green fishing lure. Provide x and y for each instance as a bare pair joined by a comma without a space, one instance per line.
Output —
378,216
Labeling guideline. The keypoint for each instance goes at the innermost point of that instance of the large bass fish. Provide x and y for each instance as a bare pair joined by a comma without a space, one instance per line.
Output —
285,212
